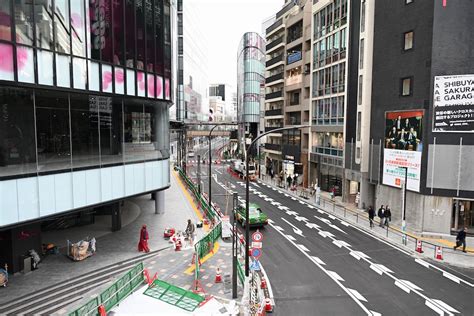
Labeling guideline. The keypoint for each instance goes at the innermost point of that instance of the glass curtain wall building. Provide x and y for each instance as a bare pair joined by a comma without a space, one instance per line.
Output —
250,79
84,98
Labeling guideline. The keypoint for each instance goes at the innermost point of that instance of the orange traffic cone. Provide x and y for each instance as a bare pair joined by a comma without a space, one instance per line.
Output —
268,305
263,284
419,246
177,245
439,253
101,310
218,276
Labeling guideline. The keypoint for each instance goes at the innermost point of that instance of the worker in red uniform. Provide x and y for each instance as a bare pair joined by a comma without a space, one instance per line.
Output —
143,243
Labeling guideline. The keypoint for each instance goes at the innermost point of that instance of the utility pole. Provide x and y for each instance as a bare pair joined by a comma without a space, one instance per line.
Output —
199,174
234,246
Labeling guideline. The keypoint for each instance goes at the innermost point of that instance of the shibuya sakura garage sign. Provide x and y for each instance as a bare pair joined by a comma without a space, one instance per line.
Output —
453,103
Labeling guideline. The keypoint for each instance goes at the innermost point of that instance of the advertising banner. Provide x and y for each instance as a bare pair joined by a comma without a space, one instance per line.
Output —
403,146
453,104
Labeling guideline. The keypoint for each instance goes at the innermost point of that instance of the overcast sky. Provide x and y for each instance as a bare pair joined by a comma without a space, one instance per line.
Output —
224,22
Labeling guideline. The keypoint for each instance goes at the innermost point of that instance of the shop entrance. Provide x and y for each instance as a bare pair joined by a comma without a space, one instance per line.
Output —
463,215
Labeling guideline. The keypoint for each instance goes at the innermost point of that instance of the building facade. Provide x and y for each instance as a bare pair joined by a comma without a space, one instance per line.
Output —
250,79
412,114
287,87
84,94
224,91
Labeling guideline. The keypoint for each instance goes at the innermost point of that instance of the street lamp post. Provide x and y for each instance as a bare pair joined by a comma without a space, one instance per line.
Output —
404,204
247,191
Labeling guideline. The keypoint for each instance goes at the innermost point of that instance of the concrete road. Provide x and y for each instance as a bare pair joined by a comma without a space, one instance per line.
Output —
319,265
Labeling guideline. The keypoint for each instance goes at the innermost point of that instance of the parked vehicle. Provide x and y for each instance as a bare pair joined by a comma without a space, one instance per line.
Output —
239,167
191,154
256,217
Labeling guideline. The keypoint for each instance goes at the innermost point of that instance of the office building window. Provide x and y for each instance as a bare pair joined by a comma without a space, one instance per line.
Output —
23,22
361,54
61,29
52,130
406,86
408,40
17,133
361,79
362,17
359,122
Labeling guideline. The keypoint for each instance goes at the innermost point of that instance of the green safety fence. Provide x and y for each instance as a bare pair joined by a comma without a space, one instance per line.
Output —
174,295
240,273
114,294
206,244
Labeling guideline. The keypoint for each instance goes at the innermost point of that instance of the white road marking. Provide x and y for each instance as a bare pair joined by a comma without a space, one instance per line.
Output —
321,212
311,225
422,262
271,221
313,259
434,307
451,277
324,233
345,223
276,203
291,213
279,228
331,216
375,313
341,243
294,199
283,208
291,237
319,260
310,206
302,247
268,199
337,228
301,218
296,230
335,275
402,286
358,295
446,306
380,268
286,195
216,170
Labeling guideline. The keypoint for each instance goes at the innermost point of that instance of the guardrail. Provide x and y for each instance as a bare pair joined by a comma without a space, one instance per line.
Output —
114,294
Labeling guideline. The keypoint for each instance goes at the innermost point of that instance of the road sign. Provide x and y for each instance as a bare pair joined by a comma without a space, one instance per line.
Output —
257,236
256,252
255,266
256,244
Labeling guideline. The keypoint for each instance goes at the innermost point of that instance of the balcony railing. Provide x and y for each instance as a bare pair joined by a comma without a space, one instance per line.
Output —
294,57
273,95
273,112
328,151
274,60
274,77
276,147
271,128
274,26
274,43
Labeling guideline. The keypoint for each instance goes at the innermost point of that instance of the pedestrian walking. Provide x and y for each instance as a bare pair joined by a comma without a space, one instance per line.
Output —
371,212
381,215
190,229
143,243
288,180
388,215
461,239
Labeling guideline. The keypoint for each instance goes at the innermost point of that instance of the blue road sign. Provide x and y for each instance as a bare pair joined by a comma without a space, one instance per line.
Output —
255,266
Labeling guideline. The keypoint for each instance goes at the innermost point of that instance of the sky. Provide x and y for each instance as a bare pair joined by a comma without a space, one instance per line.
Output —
224,22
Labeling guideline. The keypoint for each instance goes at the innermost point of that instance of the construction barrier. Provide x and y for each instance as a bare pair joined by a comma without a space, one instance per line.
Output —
114,294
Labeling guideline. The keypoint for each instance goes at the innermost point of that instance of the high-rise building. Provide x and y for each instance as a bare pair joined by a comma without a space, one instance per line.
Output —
193,83
287,85
218,108
224,91
84,97
250,79
411,112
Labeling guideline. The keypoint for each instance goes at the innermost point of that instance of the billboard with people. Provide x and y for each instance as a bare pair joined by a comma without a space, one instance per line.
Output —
403,144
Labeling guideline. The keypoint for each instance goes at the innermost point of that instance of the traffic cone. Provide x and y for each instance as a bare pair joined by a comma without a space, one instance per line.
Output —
439,253
218,276
101,310
268,305
177,245
263,284
419,246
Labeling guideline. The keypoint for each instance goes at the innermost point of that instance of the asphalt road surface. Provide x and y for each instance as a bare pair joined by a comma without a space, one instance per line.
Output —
320,265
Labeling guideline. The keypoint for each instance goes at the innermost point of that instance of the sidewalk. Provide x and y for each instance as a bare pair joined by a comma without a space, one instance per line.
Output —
352,214
122,246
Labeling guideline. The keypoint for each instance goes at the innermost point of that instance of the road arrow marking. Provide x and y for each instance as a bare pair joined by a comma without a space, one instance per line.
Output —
311,225
271,221
321,262
335,276
295,229
256,185
284,208
268,199
278,227
302,247
322,219
291,237
434,307
402,286
337,228
301,218
375,313
292,213
276,203
357,294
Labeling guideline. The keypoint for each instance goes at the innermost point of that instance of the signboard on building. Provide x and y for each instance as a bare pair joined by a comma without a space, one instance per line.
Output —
403,147
453,104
